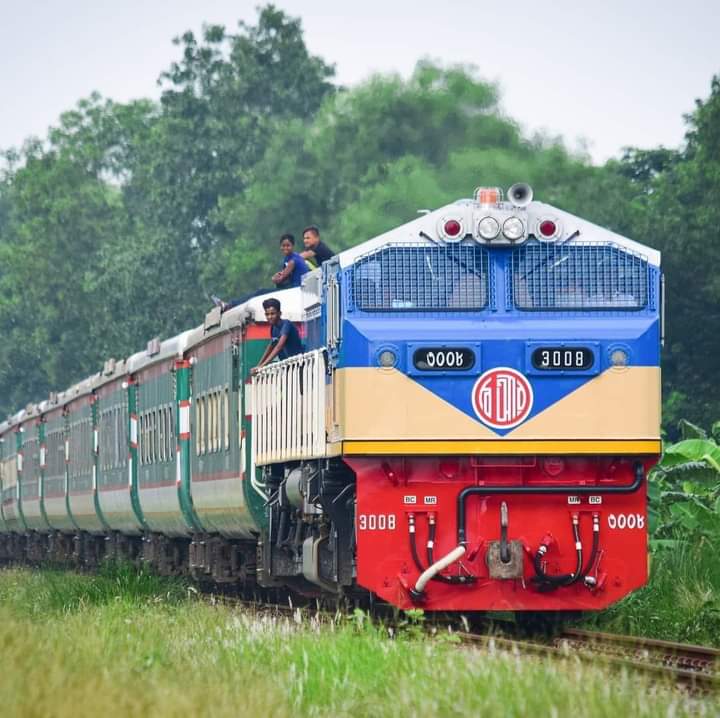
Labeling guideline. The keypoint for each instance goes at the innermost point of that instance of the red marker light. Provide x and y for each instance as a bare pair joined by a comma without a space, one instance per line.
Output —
452,228
548,228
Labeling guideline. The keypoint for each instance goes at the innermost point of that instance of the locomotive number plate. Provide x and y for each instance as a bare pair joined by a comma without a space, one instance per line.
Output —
563,358
444,359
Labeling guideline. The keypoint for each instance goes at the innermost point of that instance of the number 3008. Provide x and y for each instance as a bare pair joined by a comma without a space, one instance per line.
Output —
376,522
626,521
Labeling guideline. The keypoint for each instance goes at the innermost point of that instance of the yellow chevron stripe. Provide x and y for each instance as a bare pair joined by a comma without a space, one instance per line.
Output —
502,448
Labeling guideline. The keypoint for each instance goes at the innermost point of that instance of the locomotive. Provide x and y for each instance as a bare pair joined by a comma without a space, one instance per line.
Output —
469,427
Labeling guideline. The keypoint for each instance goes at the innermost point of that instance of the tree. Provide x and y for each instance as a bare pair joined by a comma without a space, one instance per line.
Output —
59,216
681,218
376,154
221,104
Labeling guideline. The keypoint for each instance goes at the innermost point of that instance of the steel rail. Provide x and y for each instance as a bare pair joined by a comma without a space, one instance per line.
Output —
697,667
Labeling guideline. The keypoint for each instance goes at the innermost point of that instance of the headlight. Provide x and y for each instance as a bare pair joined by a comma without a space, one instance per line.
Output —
387,358
488,228
513,228
619,357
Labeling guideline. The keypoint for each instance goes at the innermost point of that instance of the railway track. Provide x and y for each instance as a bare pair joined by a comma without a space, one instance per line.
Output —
697,667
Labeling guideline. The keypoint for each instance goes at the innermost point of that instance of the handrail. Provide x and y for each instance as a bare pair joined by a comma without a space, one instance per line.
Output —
288,409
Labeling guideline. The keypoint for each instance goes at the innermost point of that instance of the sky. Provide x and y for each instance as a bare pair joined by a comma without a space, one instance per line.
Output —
603,75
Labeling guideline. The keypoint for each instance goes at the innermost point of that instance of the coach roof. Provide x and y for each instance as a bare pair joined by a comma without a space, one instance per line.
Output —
172,348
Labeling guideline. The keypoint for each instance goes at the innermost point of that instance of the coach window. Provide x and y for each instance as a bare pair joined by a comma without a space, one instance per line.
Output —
210,410
206,423
220,421
170,433
117,422
163,434
200,425
162,455
78,448
156,435
146,438
216,428
170,436
107,436
210,423
226,412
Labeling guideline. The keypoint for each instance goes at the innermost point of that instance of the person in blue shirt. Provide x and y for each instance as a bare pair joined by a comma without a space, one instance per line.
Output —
284,338
289,275
293,266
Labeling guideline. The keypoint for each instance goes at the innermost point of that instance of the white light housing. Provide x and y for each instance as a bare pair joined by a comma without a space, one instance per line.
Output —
387,358
513,228
619,358
548,228
488,228
451,228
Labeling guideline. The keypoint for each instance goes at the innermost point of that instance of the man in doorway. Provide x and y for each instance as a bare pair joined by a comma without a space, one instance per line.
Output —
284,338
316,252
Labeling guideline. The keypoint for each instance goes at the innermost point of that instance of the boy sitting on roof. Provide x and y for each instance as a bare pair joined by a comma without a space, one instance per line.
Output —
293,266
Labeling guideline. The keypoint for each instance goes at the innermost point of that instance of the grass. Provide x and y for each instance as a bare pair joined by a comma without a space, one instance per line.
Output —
680,603
118,645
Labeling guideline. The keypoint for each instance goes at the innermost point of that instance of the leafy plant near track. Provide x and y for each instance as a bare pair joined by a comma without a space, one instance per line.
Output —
682,599
685,489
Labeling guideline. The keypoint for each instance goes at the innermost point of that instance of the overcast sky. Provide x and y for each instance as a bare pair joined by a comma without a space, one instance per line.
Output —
610,74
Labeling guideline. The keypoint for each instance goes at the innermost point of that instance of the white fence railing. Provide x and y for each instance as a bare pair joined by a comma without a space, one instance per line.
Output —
288,408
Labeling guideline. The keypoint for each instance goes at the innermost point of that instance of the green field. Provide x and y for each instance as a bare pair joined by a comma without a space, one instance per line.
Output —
124,644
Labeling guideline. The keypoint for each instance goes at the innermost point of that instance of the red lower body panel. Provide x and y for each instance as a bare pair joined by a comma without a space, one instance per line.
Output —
394,493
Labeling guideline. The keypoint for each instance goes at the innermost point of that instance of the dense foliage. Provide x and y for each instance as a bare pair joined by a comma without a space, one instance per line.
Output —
117,226
685,490
682,598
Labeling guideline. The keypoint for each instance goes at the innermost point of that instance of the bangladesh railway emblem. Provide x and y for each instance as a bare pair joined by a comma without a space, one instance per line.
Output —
502,398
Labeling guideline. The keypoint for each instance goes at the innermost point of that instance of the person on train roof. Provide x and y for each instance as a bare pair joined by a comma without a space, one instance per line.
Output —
316,252
284,337
293,265
290,275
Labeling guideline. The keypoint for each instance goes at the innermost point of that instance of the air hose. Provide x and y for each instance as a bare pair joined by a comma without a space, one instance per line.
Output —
462,580
549,582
